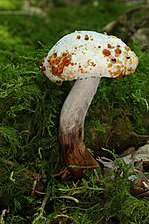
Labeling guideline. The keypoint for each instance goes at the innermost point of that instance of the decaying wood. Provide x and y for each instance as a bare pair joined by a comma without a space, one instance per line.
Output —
138,159
125,20
133,26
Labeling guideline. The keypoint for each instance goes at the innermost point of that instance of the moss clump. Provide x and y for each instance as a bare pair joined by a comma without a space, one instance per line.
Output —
29,114
120,206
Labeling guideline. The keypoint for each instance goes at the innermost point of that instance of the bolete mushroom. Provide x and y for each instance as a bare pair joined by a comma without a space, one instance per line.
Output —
85,56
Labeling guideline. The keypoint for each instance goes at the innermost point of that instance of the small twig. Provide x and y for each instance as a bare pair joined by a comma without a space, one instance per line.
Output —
45,200
141,137
60,173
96,174
11,12
4,212
40,43
23,13
144,194
63,216
70,198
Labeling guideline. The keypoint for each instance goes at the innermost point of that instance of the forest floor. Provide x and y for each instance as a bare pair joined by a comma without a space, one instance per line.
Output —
32,189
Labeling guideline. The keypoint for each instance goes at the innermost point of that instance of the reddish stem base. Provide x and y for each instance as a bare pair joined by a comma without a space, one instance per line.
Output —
76,154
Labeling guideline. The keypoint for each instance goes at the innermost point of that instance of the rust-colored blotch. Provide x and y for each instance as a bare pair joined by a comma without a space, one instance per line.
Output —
41,66
57,63
131,70
127,48
54,55
92,64
121,76
110,46
106,52
117,52
78,37
110,65
86,37
117,73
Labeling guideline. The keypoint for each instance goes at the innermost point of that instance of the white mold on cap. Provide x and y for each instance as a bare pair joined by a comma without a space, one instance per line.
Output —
84,54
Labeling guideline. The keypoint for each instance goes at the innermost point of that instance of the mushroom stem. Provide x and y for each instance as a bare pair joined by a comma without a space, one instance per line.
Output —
72,126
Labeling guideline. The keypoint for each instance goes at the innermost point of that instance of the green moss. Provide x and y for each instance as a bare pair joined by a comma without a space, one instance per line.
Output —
119,206
10,5
121,108
29,113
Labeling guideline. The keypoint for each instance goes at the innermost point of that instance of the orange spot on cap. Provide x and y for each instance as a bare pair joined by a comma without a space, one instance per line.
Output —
43,68
59,70
54,55
86,37
106,52
58,63
110,65
127,48
109,46
117,52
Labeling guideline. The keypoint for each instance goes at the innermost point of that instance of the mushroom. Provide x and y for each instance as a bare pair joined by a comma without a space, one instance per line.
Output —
84,56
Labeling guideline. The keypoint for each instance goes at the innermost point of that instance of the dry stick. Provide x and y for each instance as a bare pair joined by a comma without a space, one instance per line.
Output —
23,13
4,212
70,198
45,200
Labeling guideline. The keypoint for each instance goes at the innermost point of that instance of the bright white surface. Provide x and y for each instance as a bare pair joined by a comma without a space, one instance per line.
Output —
89,54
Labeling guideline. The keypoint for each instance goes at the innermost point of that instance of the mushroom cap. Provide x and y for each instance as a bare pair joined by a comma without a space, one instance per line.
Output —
84,54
